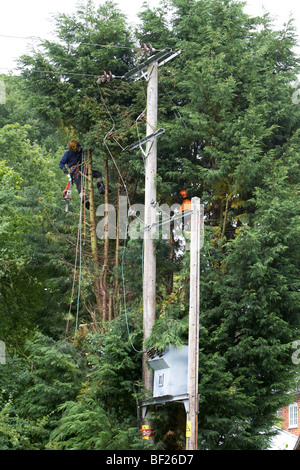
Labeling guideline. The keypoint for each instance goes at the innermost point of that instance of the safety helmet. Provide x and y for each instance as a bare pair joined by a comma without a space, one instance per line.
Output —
183,193
73,144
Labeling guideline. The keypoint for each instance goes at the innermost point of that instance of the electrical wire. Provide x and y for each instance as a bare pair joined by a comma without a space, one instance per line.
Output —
34,38
78,43
49,72
123,253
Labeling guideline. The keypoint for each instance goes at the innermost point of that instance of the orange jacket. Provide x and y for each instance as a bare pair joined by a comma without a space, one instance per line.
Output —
185,206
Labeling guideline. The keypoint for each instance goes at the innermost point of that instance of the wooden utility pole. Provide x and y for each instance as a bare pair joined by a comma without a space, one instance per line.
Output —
193,347
149,70
149,287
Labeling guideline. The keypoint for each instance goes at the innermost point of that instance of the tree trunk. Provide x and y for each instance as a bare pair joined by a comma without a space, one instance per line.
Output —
93,234
105,295
116,286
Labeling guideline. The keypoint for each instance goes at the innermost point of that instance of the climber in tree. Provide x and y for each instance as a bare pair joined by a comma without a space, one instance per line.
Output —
186,205
186,202
73,159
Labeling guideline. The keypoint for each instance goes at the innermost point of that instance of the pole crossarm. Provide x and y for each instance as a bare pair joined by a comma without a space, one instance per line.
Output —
167,221
160,58
144,141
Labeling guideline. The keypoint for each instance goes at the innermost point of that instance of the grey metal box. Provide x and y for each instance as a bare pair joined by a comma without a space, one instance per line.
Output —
170,371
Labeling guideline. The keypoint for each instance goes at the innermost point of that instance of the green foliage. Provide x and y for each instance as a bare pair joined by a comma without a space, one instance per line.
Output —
14,431
232,139
86,426
27,177
172,323
249,330
18,109
116,365
103,417
34,389
56,374
81,57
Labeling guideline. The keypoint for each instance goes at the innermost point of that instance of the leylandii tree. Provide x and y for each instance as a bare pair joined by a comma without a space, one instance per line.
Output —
252,318
65,79
232,139
29,263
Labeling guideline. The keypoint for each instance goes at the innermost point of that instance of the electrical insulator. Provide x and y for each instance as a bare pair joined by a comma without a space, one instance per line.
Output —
148,49
105,77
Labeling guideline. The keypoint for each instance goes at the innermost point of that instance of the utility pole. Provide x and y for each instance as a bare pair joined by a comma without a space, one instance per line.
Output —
149,286
193,346
149,71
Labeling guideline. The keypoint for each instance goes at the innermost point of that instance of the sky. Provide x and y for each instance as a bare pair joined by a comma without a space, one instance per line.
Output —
33,18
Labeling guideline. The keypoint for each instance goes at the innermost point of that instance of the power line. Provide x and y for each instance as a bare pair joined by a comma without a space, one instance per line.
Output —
35,38
53,72
60,73
79,43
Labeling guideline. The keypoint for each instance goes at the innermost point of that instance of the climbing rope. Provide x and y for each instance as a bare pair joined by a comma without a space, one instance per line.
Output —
78,248
75,269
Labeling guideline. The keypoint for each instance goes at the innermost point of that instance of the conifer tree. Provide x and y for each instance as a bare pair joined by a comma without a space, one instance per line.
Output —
231,139
90,43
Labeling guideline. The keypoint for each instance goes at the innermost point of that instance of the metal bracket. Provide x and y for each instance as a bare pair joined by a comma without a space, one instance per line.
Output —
160,58
170,219
184,398
144,141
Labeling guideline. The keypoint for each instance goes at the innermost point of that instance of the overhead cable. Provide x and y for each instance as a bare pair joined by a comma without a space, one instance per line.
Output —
79,43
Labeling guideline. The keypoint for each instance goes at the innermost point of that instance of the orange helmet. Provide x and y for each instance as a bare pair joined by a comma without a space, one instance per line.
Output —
73,144
183,193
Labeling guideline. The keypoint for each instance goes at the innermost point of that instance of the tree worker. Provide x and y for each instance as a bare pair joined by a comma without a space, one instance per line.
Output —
186,205
186,202
73,159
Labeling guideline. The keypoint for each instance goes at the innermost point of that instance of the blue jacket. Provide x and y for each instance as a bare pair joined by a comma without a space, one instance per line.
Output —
71,157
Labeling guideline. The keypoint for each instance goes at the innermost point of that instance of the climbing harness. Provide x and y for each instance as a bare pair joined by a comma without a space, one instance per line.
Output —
67,193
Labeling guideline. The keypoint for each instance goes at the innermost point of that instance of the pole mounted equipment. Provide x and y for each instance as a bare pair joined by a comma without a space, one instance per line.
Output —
144,141
161,58
105,77
147,49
